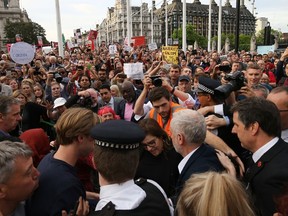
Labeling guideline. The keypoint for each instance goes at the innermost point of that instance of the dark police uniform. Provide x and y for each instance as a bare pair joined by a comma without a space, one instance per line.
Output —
142,197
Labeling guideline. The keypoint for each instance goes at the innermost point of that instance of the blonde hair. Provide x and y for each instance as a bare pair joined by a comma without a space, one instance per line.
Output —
18,92
213,194
74,122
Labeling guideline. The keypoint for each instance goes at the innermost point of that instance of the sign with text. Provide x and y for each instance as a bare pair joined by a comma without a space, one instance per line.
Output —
152,46
134,70
112,49
170,54
265,49
22,53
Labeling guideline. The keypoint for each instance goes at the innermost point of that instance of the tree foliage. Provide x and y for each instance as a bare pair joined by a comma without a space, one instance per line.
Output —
244,41
260,36
191,36
28,30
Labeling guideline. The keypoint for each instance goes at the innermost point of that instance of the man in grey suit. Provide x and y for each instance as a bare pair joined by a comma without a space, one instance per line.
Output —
107,99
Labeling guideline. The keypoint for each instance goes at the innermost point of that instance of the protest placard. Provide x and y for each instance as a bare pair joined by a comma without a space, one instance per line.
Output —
152,46
170,54
22,52
134,70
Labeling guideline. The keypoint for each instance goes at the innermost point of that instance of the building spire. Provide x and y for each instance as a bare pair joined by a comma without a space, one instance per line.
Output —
242,5
228,4
213,3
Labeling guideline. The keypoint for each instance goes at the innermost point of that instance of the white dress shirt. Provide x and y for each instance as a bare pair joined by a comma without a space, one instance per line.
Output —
261,151
185,160
124,196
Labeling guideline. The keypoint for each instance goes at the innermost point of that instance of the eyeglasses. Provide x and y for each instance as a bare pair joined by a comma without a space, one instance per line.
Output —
283,110
150,144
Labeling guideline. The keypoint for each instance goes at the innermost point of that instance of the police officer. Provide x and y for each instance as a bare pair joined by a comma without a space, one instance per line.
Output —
116,158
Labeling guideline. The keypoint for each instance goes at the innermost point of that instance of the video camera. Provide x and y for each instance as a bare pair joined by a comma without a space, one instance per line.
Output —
236,81
56,76
85,102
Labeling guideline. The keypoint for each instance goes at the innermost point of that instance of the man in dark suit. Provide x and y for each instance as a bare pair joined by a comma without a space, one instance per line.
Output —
107,99
188,130
257,125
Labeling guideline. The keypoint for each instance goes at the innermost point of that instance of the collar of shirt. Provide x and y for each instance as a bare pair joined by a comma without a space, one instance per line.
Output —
184,160
111,103
284,135
261,151
124,196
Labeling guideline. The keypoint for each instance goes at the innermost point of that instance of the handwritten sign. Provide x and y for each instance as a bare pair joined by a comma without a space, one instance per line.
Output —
152,46
170,54
22,53
112,49
134,70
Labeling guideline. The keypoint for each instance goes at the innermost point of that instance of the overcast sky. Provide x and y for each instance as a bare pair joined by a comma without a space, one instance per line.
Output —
86,14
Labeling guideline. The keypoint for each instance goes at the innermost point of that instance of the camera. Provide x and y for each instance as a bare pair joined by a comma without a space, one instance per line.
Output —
36,71
225,68
156,81
236,81
57,76
85,102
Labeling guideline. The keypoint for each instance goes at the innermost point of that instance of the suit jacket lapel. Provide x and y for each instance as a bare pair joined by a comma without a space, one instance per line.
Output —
260,164
191,160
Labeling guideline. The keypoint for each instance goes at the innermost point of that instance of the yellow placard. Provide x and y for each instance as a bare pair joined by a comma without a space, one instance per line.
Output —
170,54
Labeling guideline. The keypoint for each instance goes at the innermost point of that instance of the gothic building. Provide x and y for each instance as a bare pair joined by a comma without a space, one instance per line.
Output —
113,27
197,14
10,10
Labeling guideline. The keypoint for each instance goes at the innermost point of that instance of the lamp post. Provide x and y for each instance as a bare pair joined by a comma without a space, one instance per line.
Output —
209,26
237,25
59,29
166,24
219,27
184,46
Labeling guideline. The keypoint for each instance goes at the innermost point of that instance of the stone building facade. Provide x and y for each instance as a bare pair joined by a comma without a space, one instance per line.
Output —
113,27
10,10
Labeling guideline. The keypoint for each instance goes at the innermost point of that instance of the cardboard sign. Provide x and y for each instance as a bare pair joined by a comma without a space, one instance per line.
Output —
170,54
138,40
112,49
265,49
127,48
134,70
22,53
152,46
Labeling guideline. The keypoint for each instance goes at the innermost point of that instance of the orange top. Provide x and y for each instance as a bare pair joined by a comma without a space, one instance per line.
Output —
174,108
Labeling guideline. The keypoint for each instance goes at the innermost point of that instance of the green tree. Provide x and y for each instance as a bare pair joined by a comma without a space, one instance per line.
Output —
191,36
28,30
244,41
260,36
223,38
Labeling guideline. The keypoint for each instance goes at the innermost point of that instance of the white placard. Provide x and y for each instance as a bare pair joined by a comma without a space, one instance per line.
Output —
47,49
127,48
134,70
22,52
265,49
152,46
112,49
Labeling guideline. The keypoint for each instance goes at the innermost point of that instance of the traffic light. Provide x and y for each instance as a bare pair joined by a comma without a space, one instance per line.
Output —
267,35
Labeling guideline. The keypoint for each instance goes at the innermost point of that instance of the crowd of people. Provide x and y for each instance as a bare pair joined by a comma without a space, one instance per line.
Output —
207,136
